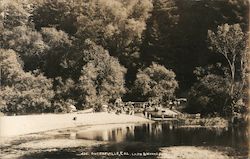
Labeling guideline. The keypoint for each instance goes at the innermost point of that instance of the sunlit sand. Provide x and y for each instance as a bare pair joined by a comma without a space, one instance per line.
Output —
26,124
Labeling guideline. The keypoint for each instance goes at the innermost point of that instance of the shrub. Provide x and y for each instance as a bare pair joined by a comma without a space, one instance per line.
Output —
209,96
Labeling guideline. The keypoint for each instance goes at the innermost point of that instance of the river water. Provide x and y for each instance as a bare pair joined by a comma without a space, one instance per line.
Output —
146,140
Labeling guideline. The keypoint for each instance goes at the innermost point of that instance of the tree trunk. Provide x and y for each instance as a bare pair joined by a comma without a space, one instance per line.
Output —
232,80
232,88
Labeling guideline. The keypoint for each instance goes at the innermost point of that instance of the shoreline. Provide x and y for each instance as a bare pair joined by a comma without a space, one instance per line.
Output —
11,126
57,140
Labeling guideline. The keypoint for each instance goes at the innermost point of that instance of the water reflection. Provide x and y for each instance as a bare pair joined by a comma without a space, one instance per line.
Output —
110,134
152,137
170,134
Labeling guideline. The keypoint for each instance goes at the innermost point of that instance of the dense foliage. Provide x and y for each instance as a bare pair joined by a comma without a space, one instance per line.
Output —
221,92
23,92
57,53
155,83
208,95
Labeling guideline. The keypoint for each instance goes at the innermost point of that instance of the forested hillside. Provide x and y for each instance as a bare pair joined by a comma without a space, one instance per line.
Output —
55,53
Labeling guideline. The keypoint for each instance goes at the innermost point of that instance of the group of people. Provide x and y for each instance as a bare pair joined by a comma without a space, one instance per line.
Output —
119,107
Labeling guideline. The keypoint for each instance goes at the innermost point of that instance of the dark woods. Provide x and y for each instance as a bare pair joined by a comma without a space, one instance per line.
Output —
57,53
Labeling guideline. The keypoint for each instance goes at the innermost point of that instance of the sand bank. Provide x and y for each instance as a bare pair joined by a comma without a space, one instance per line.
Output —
26,124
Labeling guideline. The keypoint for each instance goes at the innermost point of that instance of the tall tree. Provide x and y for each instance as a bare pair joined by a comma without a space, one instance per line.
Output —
230,41
102,78
160,26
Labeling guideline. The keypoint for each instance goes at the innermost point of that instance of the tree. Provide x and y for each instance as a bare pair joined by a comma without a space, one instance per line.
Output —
158,36
102,79
65,94
27,43
230,41
117,24
13,14
118,28
155,82
23,92
164,19
59,14
56,56
213,69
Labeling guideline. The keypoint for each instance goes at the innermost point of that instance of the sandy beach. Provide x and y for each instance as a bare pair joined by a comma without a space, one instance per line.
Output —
39,132
26,124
